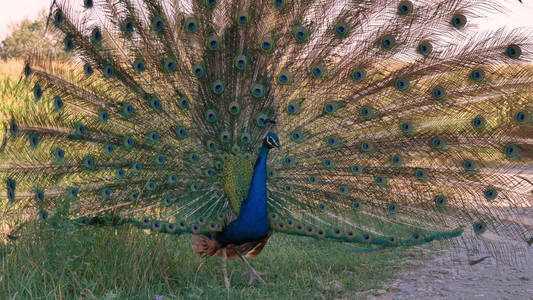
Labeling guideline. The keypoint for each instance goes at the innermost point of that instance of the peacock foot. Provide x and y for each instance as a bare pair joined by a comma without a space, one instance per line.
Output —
254,275
226,281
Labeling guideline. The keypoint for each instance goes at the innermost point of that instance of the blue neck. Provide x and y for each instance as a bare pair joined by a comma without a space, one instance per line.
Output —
256,201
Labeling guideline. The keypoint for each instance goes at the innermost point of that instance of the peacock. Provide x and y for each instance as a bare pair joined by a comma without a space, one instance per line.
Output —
381,123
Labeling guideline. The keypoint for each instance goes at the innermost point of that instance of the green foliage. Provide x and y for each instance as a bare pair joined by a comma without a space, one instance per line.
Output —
28,37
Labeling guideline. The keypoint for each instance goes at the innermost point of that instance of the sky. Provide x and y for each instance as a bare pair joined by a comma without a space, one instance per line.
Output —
13,11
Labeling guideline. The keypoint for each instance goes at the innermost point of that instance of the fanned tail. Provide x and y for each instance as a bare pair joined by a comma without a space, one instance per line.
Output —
399,123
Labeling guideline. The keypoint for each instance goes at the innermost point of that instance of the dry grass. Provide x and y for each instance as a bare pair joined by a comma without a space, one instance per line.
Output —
11,68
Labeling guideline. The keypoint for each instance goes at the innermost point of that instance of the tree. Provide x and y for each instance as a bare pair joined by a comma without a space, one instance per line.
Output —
29,37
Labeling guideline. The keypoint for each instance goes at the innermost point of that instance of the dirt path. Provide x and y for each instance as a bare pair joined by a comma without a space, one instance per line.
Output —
447,275
441,278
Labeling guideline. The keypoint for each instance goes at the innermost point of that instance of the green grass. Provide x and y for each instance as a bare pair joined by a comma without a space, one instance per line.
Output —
127,263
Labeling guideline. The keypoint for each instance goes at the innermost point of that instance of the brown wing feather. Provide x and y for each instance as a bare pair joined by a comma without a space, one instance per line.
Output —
205,246
258,247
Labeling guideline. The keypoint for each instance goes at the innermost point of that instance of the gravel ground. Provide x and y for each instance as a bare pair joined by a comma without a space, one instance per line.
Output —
441,278
447,275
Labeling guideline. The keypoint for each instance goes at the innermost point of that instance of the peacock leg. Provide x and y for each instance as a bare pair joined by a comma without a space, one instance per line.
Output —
224,268
254,275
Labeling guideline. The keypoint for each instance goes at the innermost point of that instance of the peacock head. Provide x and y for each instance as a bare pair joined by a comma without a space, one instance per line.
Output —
271,140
